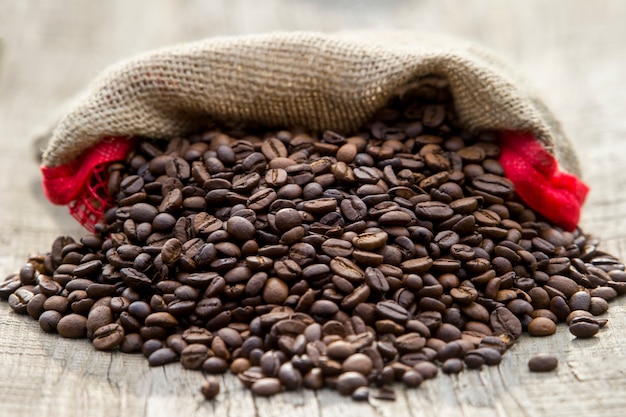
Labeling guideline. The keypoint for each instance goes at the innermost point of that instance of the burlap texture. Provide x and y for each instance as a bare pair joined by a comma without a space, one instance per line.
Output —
317,81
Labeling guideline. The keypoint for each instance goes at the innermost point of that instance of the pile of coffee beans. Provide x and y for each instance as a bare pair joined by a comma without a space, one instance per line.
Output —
294,259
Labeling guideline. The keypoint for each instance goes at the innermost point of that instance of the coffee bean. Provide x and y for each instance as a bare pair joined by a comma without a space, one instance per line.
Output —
49,320
349,381
215,365
108,337
266,387
583,327
392,311
162,356
240,365
541,326
72,326
210,388
598,306
417,265
337,248
452,366
194,355
543,362
580,300
504,322
240,228
290,377
161,319
324,308
18,301
426,369
344,267
433,210
370,241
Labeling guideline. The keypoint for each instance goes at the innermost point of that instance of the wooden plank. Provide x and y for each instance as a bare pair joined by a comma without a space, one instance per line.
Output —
570,50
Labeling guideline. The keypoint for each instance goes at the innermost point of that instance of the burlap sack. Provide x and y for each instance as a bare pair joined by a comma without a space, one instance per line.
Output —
318,81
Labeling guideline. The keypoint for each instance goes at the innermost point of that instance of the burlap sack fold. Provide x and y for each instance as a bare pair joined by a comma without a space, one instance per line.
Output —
314,80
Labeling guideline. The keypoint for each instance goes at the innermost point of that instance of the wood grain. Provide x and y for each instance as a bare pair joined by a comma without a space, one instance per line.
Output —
570,50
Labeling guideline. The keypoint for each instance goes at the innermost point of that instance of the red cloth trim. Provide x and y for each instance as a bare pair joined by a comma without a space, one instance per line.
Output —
81,184
539,182
64,183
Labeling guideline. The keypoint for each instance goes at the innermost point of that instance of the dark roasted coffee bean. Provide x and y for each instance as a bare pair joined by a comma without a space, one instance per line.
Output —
337,248
348,382
108,337
347,269
72,326
266,387
162,356
210,388
452,366
392,311
598,306
9,285
433,210
583,327
504,322
18,301
48,320
541,326
215,365
99,316
134,278
543,362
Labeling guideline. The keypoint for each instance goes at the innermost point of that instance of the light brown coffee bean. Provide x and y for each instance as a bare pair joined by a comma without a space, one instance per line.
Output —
541,326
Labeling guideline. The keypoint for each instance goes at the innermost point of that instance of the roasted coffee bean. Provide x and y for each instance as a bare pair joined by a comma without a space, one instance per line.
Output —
290,377
433,211
210,388
99,316
543,362
504,322
72,326
583,327
162,356
194,355
541,326
266,387
598,306
349,381
392,311
108,337
35,306
215,365
49,320
9,285
19,300
452,366
346,268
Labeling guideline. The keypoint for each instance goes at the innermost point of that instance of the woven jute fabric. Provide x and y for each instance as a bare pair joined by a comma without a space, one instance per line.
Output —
318,81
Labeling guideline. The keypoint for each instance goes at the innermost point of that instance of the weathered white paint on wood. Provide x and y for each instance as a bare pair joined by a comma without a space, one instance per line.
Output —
570,50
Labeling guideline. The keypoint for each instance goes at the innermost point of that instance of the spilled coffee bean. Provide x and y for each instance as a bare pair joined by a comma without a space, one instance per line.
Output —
543,362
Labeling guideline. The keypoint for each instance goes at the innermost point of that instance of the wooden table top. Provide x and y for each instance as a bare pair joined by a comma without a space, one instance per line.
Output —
570,50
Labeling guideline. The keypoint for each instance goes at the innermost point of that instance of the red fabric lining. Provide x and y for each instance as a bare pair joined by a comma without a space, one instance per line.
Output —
539,182
82,183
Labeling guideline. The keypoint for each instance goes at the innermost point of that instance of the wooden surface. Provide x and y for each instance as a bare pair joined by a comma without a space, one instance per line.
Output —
570,50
